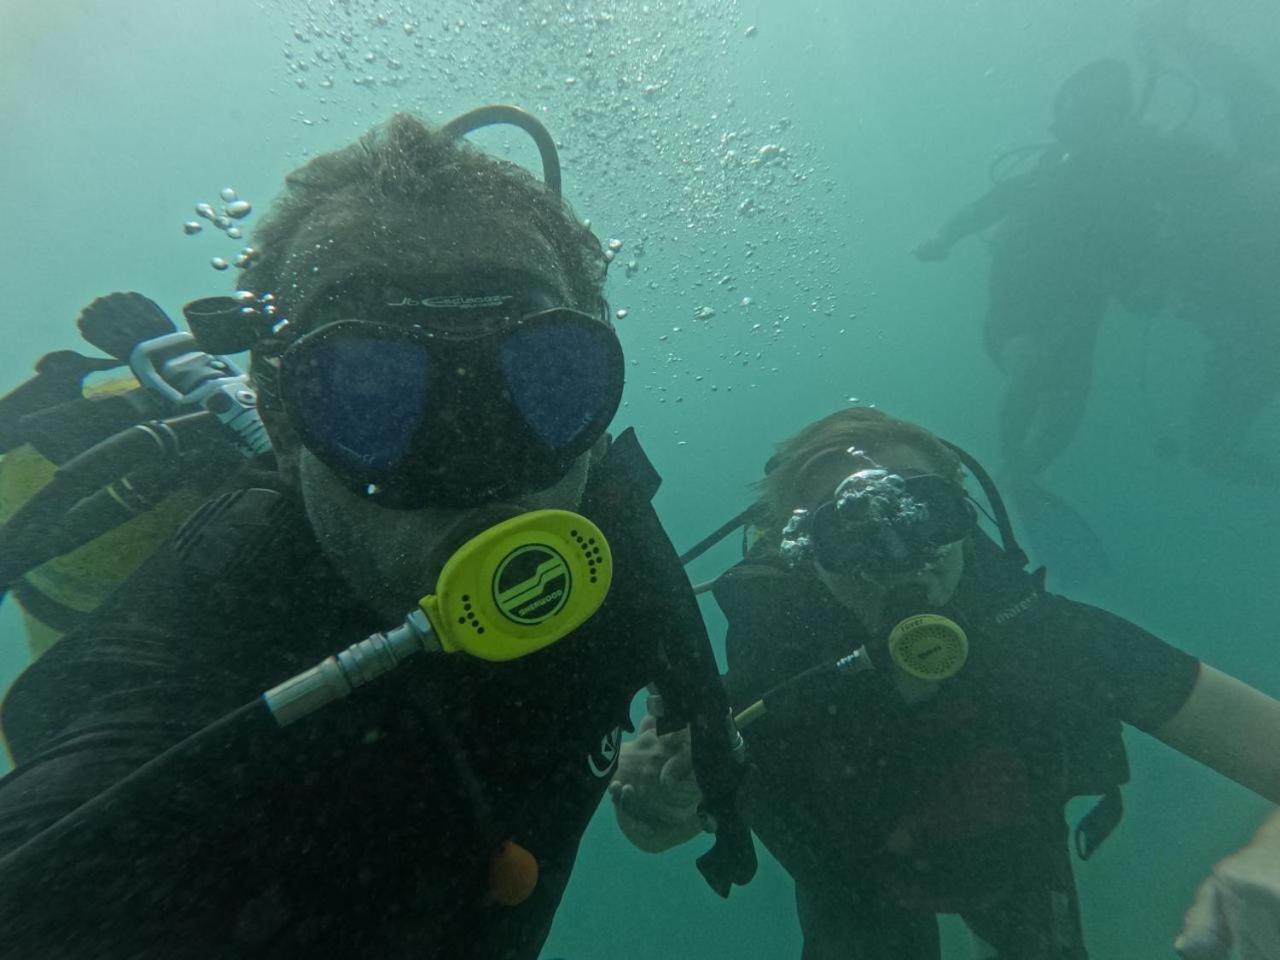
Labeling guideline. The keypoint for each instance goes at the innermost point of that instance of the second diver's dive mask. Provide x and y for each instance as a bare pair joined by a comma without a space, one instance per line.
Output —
882,522
443,392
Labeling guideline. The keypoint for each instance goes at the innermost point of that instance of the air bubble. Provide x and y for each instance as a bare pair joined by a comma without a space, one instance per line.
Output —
192,227
218,263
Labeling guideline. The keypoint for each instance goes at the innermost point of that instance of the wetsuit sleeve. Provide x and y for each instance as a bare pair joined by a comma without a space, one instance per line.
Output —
1112,665
79,722
242,840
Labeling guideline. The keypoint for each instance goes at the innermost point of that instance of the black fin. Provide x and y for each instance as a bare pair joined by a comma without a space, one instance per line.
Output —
1060,536
118,322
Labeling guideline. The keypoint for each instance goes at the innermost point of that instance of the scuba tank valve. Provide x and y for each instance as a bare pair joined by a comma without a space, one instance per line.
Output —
176,368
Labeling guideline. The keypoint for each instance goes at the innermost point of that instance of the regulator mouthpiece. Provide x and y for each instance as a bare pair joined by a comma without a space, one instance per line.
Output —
510,591
929,646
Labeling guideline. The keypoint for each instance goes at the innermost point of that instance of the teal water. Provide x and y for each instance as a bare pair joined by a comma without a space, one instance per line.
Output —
768,167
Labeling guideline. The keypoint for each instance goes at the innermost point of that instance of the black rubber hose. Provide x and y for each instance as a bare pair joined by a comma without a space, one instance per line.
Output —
500,113
26,535
62,856
711,539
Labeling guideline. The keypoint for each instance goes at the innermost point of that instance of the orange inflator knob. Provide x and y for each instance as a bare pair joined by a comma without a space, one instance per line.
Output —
513,874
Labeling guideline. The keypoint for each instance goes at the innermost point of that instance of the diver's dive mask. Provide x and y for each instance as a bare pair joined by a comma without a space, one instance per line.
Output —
449,391
882,522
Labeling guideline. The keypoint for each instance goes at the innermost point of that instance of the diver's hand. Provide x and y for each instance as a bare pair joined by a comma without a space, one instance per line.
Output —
1237,909
654,793
932,250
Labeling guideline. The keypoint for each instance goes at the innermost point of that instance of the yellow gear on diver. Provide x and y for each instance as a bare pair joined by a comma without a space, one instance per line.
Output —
80,581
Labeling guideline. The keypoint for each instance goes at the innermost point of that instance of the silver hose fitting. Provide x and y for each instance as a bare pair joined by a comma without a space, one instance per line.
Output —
335,677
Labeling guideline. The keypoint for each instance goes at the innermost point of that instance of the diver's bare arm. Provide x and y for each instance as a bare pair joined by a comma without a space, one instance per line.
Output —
1231,727
988,210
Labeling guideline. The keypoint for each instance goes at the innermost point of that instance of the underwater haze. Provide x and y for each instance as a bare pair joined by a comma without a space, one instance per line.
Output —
761,171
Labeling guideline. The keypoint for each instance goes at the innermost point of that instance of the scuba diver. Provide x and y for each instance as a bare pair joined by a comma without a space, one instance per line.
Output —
1076,232
917,709
365,703
1222,246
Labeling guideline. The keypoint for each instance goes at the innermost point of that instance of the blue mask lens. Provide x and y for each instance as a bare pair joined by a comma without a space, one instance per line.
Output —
562,379
363,399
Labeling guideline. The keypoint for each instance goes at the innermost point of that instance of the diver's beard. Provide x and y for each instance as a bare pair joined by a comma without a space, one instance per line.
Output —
450,538
392,558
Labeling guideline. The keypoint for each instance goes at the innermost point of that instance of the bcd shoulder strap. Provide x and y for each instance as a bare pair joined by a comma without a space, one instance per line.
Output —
689,676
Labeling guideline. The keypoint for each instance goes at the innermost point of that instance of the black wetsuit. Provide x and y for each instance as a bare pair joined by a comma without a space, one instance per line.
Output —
975,777
351,834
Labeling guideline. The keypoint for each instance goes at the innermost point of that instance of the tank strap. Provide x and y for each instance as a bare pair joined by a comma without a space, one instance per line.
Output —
1099,823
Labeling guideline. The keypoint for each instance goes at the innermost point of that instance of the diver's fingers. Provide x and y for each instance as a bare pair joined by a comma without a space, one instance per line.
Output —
623,795
647,723
677,772
1205,932
1249,893
931,250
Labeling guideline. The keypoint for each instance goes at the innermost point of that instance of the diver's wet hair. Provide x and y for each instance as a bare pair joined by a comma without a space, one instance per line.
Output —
341,204
794,474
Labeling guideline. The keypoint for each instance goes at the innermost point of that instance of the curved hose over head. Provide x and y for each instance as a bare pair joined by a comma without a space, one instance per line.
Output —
500,113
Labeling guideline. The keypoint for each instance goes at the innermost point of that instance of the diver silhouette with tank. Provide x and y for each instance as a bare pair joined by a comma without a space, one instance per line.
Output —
1115,209
1222,245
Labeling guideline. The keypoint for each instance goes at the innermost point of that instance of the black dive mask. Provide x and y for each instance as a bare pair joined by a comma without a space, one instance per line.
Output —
449,392
881,522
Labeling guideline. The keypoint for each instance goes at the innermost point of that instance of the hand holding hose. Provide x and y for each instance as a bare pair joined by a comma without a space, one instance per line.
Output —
654,793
